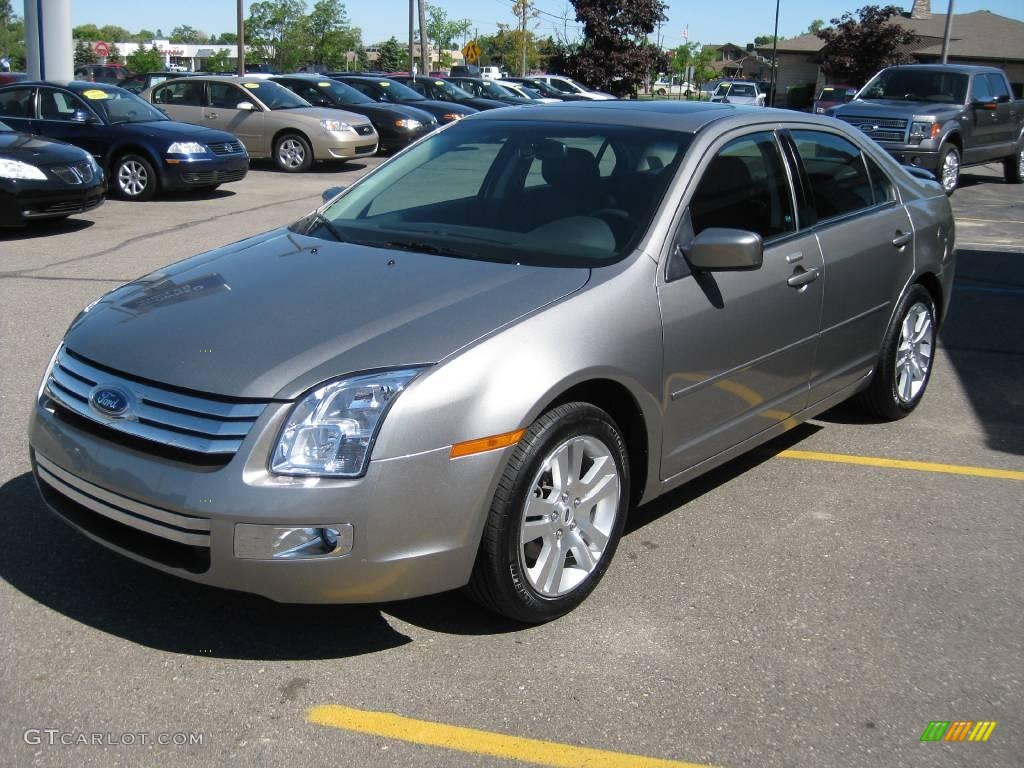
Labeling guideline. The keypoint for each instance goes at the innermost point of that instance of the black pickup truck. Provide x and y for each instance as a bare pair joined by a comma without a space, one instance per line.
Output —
941,117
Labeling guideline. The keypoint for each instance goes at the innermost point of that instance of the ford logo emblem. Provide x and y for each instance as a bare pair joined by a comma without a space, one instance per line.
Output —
868,128
112,402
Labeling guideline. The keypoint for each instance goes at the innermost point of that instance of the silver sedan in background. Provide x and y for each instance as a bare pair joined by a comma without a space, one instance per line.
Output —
466,369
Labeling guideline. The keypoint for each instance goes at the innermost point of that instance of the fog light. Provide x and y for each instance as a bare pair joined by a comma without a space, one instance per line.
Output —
271,542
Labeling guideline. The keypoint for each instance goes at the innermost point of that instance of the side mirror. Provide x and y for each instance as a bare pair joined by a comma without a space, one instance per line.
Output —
246,106
989,105
332,192
81,116
719,250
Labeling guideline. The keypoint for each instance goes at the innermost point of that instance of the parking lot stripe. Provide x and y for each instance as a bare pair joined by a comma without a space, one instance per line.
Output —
476,742
917,466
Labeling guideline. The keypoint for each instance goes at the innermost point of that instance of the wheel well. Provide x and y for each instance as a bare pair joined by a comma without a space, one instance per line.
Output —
132,149
955,139
618,402
932,285
290,132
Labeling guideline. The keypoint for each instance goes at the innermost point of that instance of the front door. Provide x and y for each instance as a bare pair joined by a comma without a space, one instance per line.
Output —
739,346
222,112
61,115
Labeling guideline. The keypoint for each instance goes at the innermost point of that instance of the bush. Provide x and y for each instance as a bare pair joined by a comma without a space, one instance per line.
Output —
800,96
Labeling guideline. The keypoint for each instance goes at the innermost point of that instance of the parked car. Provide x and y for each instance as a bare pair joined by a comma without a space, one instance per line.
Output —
488,89
833,96
548,91
673,86
738,92
439,89
112,74
271,121
387,91
568,85
524,91
469,415
12,77
140,150
942,117
42,179
397,125
140,81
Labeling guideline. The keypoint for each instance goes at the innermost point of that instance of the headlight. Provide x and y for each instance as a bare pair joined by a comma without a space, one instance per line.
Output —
408,123
449,116
187,148
15,169
919,131
331,431
335,126
49,370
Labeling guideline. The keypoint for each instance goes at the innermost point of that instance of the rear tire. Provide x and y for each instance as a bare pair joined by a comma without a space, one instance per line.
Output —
1013,166
906,360
556,517
949,168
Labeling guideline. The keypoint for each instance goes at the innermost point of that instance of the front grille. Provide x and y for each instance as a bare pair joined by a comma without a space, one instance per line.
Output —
76,173
65,207
212,177
364,130
202,425
226,147
171,538
880,128
369,148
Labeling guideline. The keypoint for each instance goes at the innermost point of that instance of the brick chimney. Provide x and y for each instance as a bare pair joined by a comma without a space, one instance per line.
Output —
922,9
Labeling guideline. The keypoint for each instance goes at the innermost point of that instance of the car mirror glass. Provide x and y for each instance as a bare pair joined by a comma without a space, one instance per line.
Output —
81,116
246,106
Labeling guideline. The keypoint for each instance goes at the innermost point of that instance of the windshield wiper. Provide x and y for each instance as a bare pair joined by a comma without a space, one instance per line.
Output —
329,226
435,250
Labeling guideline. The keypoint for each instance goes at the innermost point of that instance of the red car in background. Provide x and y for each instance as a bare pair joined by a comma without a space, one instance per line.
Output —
833,96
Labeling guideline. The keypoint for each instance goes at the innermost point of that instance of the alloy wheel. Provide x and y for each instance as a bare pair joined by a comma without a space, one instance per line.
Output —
950,171
914,352
569,515
132,178
291,153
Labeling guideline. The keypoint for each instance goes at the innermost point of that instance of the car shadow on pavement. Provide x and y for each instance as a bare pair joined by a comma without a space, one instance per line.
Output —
68,573
324,167
192,195
44,228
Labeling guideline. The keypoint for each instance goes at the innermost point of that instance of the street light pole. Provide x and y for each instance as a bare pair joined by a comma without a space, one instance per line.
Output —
412,25
241,40
775,58
949,29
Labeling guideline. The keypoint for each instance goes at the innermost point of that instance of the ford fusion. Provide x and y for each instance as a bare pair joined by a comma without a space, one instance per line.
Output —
466,369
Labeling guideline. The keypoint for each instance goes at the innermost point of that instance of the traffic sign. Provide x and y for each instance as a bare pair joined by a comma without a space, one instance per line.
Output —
101,49
471,51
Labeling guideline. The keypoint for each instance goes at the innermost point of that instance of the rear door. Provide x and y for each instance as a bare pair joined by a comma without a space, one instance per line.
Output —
1007,122
222,112
180,99
867,242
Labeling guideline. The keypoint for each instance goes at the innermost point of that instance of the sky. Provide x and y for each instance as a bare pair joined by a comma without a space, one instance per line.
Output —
739,21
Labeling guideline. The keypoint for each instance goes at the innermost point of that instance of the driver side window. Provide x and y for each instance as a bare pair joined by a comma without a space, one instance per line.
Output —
57,105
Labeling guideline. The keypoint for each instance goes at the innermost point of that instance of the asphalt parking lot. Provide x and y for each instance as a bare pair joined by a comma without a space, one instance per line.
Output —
797,607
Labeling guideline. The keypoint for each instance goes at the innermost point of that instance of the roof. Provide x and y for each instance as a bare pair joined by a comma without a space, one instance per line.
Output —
976,35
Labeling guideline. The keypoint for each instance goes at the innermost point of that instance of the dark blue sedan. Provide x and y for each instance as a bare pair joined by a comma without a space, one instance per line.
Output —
141,150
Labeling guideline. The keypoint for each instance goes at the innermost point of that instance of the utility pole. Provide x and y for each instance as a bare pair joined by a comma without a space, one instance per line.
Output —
424,44
949,29
412,26
773,81
241,41
521,8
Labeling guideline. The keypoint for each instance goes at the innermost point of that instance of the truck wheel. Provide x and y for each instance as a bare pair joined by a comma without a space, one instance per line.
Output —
949,168
1013,166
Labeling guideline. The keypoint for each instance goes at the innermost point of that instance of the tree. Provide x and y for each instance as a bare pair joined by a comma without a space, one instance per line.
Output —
362,58
762,41
228,38
443,32
87,32
143,36
219,62
615,54
856,48
815,27
275,32
187,34
114,55
145,60
12,37
112,33
329,34
84,53
390,56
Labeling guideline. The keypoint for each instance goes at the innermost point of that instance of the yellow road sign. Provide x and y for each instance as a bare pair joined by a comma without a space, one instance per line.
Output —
471,51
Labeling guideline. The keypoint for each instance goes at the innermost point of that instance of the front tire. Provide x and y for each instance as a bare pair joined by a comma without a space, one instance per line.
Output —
949,168
292,153
556,518
1013,166
906,360
135,178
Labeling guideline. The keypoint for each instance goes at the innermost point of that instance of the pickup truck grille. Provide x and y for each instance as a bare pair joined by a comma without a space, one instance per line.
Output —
880,128
200,425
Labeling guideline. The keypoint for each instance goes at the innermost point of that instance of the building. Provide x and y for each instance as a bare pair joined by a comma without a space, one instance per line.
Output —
735,62
980,37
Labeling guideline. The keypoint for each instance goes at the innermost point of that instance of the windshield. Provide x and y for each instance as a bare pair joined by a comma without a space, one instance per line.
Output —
343,94
540,193
742,89
392,90
492,90
837,94
917,85
452,90
275,96
544,88
119,106
5,127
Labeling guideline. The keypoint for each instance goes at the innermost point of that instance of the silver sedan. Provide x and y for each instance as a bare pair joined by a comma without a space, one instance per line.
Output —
466,369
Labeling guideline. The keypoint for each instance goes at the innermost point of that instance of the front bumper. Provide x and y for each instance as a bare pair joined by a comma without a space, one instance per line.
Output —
22,202
204,173
912,155
396,140
417,519
342,146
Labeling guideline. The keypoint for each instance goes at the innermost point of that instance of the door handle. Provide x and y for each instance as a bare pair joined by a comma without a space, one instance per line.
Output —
211,115
803,277
902,239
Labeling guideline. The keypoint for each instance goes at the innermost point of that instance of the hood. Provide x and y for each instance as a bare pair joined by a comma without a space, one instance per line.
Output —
898,108
272,316
478,103
386,112
29,149
172,130
321,113
446,106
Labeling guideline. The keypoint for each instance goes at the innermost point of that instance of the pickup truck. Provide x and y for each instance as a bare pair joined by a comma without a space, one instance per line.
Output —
942,117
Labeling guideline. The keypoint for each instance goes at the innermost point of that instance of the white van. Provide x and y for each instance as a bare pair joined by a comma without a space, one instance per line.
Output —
490,73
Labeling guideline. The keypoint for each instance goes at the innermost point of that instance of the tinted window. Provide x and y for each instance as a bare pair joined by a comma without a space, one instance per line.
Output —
227,96
58,105
180,93
839,180
16,103
997,86
741,89
745,187
119,106
881,185
980,89
935,85
275,96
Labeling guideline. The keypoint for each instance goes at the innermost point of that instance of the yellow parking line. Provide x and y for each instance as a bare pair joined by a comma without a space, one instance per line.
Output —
480,742
917,466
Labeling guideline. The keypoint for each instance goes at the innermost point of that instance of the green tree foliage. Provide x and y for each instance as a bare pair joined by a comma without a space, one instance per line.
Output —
84,53
766,40
695,56
112,33
504,48
274,30
391,56
219,62
143,36
228,38
329,34
615,55
114,56
145,60
362,58
815,27
86,32
445,33
12,36
187,34
857,47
